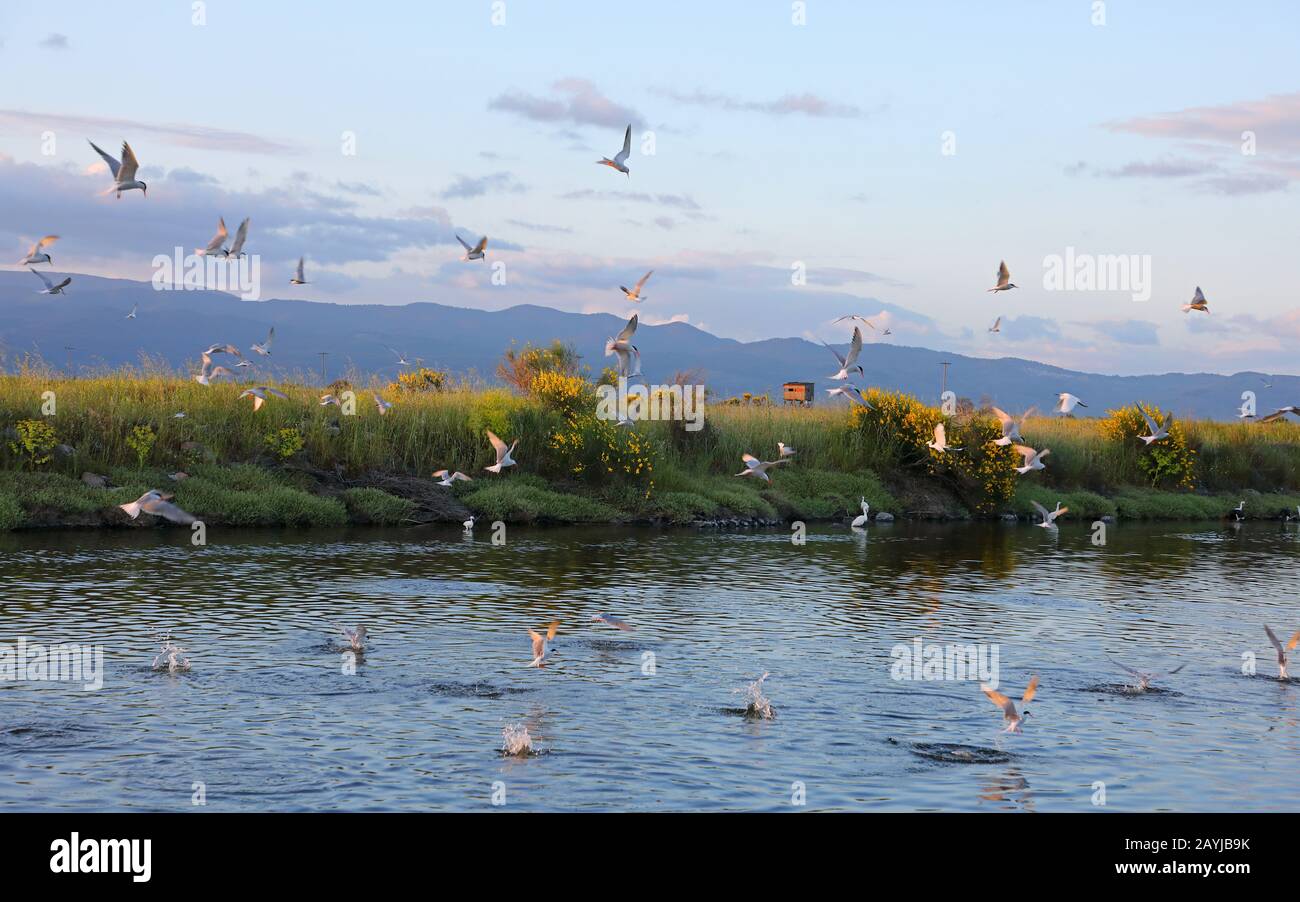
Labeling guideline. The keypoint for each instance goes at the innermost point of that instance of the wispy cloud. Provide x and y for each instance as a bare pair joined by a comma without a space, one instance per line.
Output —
1275,120
495,183
681,202
110,130
55,41
807,104
539,227
575,100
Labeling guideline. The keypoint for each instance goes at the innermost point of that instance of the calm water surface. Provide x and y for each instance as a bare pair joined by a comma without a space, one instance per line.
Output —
267,718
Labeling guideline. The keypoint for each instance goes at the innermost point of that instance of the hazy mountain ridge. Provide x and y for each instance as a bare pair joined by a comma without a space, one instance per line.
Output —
176,325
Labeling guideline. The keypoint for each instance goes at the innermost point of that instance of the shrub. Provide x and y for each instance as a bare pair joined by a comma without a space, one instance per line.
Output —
519,367
284,443
141,441
370,505
1168,463
421,380
35,442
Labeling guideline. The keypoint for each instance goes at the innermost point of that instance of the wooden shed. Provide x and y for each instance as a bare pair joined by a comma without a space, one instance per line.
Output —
800,393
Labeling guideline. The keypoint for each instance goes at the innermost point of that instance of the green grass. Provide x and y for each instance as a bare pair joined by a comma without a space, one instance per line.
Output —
521,498
369,505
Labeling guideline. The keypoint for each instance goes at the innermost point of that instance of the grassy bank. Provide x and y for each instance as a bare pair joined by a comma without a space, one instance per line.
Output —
296,462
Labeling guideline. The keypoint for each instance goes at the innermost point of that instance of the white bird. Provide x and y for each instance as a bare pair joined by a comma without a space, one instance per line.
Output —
634,294
1004,278
222,349
629,358
356,638
265,349
1239,512
328,399
298,277
997,325
259,394
1144,679
784,450
156,503
852,393
1158,431
1244,412
940,443
1281,651
124,172
849,362
1066,402
1010,425
477,252
542,644
612,621
242,364
241,235
861,319
1033,459
134,308
758,468
210,372
1198,302
469,524
620,159
401,358
503,453
51,287
216,247
38,254
1280,413
1009,714
1049,517
861,519
384,406
449,478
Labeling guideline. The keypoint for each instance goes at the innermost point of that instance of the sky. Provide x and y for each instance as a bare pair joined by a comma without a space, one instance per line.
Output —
791,163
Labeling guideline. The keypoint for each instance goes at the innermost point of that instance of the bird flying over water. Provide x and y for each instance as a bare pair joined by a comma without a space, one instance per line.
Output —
1282,650
620,159
849,362
1049,517
38,254
1014,720
1004,279
612,621
542,644
298,277
51,287
124,172
259,394
1033,459
758,468
156,503
477,252
1198,302
634,294
1144,678
503,453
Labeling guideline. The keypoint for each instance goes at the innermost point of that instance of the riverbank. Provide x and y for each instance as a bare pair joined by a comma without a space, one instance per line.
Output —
295,462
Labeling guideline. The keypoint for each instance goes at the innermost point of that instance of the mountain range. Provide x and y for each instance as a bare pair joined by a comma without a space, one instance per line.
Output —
88,327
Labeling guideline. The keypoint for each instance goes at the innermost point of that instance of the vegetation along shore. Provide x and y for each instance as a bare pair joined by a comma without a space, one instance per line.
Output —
76,448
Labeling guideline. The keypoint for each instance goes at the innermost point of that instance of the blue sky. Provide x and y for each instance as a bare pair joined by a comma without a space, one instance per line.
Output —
774,144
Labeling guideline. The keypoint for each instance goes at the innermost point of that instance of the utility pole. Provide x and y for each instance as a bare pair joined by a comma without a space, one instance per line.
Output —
323,355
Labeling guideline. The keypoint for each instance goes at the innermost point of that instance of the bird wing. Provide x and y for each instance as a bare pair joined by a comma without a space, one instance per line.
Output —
644,279
1003,417
1154,427
622,155
161,508
1008,707
1030,690
1044,512
1198,297
836,353
241,235
270,337
1059,512
538,644
278,394
1136,673
113,165
219,238
551,628
463,244
1026,452
129,164
44,242
1295,640
482,244
751,461
939,438
64,284
628,330
497,445
1004,274
855,348
41,276
300,277
1272,638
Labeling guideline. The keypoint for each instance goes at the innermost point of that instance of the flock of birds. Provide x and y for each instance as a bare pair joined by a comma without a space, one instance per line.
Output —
156,503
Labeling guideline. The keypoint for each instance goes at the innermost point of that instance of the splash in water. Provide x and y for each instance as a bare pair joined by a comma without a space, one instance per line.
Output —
515,740
169,659
757,706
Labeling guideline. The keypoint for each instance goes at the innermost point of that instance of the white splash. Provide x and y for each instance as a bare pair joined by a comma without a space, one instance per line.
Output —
515,740
169,659
757,704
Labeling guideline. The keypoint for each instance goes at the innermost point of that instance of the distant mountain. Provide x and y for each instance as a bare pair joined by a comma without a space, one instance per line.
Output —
174,326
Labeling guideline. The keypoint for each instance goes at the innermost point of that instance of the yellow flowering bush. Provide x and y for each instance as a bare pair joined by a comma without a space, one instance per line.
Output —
1168,463
421,380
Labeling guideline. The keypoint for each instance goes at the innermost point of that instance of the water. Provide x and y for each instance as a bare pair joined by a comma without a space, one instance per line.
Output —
268,718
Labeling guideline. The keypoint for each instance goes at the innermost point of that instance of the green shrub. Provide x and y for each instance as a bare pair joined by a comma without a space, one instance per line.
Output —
141,441
35,442
371,505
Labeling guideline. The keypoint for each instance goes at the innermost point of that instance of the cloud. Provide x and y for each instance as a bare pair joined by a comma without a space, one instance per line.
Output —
1129,331
1164,169
577,101
359,188
55,41
807,104
496,183
182,135
539,227
682,202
